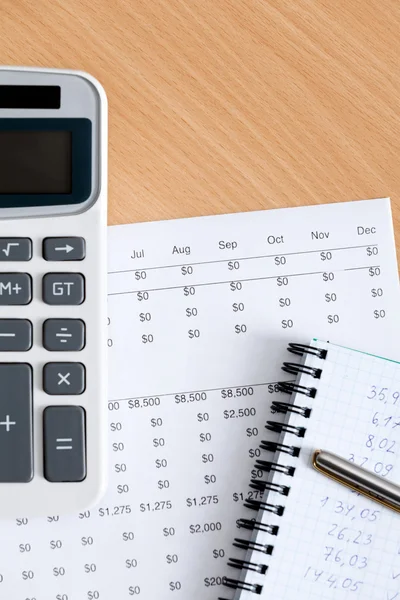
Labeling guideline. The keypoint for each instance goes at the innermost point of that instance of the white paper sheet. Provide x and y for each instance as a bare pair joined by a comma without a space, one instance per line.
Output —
200,313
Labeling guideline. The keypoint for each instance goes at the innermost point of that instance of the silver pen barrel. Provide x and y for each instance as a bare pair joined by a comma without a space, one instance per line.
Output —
359,479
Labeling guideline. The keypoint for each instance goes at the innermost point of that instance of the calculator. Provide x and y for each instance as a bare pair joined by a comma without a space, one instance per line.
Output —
53,218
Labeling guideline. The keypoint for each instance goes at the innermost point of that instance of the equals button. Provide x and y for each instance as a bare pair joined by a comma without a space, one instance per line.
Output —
63,443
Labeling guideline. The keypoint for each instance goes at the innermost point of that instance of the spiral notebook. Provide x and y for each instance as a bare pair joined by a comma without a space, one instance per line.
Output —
313,538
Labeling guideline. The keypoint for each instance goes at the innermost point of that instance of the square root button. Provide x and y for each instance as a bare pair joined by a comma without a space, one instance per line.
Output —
64,378
15,249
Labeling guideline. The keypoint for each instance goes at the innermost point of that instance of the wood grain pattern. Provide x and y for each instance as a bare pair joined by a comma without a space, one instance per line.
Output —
229,105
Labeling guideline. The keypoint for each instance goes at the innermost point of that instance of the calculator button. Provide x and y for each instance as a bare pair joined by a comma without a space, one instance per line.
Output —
15,288
64,443
16,451
63,288
63,335
14,249
64,378
15,335
64,248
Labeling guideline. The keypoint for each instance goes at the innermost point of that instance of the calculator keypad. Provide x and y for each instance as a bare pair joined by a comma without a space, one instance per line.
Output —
64,443
63,335
64,248
61,378
63,289
64,435
15,289
16,438
15,249
15,335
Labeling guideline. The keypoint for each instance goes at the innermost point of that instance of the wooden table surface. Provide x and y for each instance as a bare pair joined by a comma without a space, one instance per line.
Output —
229,105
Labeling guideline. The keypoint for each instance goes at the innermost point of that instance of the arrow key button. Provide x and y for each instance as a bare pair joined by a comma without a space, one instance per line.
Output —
64,248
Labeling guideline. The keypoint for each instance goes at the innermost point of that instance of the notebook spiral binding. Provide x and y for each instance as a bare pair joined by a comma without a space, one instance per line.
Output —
263,466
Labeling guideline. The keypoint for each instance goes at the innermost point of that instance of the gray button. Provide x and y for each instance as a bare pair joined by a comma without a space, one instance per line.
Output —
64,378
15,335
63,335
64,248
63,288
14,249
15,288
16,452
64,443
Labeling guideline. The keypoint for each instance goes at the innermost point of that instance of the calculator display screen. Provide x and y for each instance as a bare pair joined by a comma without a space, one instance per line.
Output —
45,161
35,162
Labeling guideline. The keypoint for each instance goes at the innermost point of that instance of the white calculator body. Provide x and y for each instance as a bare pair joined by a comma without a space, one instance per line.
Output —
53,201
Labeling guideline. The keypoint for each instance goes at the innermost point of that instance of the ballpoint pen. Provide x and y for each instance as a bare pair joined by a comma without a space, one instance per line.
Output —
357,478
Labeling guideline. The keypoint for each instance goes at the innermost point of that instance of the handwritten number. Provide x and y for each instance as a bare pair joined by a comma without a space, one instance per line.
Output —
382,394
357,537
339,507
390,448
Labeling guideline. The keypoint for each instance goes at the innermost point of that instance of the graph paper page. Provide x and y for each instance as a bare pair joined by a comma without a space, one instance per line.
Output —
200,312
333,543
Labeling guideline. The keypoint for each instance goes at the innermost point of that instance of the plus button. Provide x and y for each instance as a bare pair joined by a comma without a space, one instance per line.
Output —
7,423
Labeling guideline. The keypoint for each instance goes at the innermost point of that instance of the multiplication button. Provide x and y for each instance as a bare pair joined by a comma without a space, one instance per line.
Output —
64,378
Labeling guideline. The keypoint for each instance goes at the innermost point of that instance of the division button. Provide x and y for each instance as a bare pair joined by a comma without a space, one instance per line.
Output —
64,443
63,335
64,248
64,378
